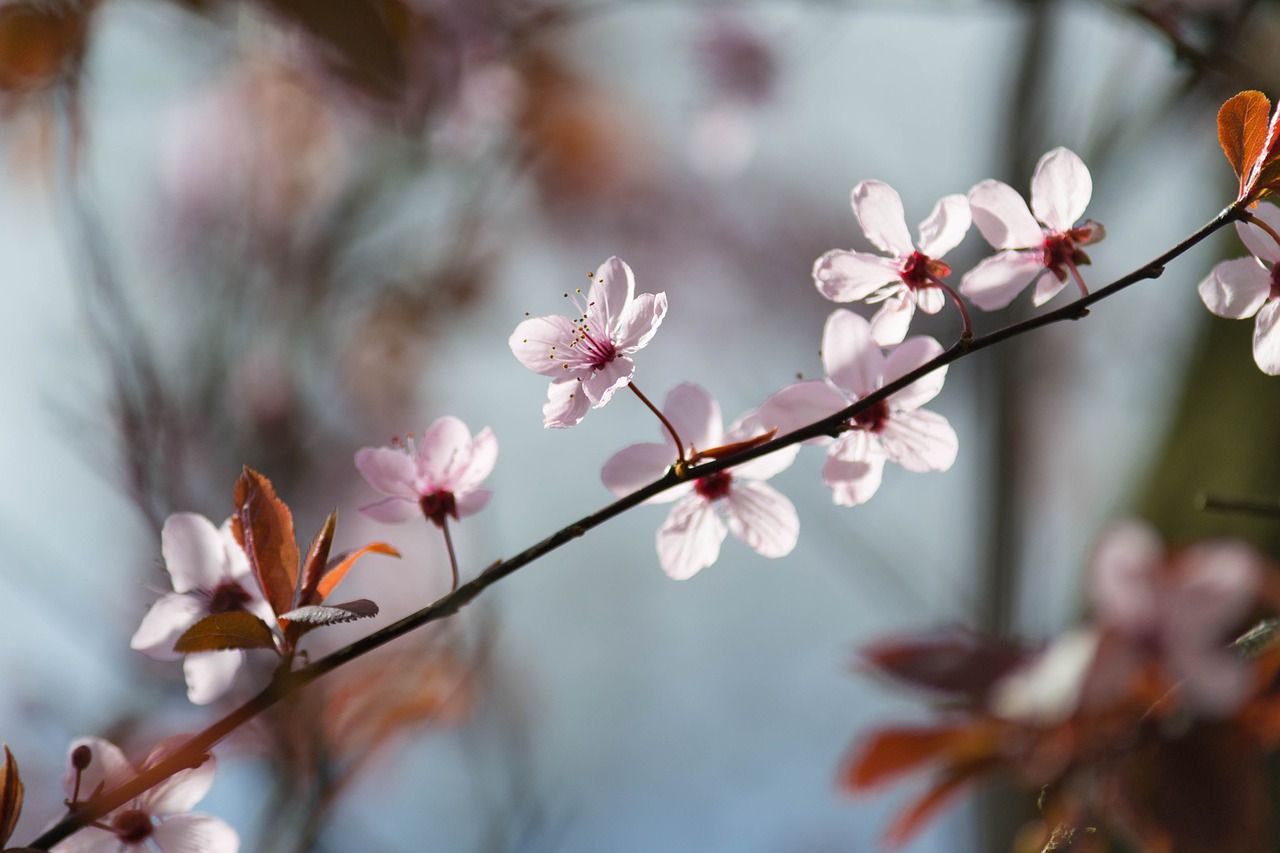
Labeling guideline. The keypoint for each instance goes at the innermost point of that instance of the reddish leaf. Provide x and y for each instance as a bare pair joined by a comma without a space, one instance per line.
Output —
892,752
922,810
736,447
332,614
10,796
1242,132
340,565
317,561
263,526
41,44
235,629
954,661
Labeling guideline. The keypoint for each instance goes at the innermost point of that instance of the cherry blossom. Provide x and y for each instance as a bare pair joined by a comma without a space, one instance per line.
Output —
689,540
1174,611
589,354
157,816
1032,241
895,430
438,478
1244,287
909,276
210,574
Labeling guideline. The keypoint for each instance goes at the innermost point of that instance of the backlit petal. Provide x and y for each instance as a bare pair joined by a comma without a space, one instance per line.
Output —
639,465
696,416
610,295
890,324
107,767
607,379
1266,338
1002,216
995,281
1060,189
855,479
946,226
542,344
763,518
906,358
1236,289
443,452
920,440
566,404
1259,243
181,791
480,461
689,540
194,833
389,470
843,276
472,502
878,208
194,552
166,621
210,674
799,405
639,322
1047,287
851,357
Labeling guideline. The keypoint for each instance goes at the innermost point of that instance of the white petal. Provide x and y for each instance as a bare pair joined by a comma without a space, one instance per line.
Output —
920,441
1259,243
181,791
906,358
608,379
890,324
843,276
392,510
107,767
800,405
696,416
194,552
762,517
166,621
388,470
1266,338
210,674
1046,690
443,451
994,282
610,295
851,358
946,226
471,502
1060,189
91,840
1047,286
193,833
930,300
854,468
543,343
482,457
1236,289
766,466
1003,217
640,321
689,540
1122,577
639,465
878,208
566,404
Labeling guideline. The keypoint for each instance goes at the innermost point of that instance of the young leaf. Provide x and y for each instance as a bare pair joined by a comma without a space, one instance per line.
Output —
263,526
235,629
10,796
1242,132
317,562
918,814
895,751
954,661
332,614
341,564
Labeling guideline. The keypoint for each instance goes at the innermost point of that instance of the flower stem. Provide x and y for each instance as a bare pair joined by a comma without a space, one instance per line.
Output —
967,333
1075,273
1254,220
681,462
453,560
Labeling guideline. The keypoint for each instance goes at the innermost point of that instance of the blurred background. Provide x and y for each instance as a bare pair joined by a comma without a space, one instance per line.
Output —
271,232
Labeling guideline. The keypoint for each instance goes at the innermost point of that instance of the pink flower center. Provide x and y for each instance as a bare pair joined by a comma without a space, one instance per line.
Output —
713,486
874,419
920,270
133,826
438,506
228,596
596,350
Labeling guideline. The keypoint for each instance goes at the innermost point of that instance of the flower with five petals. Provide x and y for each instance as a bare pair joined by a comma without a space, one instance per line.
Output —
1244,287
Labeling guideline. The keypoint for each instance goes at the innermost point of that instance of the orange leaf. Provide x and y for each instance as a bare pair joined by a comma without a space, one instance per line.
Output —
263,526
235,629
317,560
918,814
10,796
736,447
892,752
344,562
1242,132
41,44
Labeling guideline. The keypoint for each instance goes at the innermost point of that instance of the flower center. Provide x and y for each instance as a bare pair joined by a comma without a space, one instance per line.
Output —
437,506
228,596
920,270
874,419
133,826
1275,282
713,486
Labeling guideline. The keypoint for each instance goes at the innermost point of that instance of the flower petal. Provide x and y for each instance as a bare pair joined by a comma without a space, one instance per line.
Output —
851,357
210,674
890,324
164,623
392,510
799,405
749,426
471,502
194,552
854,468
639,465
480,461
1266,338
762,517
696,416
995,281
181,791
639,322
920,441
1259,243
566,405
1217,586
194,833
906,358
878,208
946,226
91,840
930,300
443,452
1060,189
107,767
1121,579
389,470
610,295
689,540
1236,289
1047,287
545,344
844,276
1003,216
607,379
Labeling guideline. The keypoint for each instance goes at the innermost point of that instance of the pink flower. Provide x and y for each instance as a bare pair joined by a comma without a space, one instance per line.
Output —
210,574
1248,286
895,429
589,354
909,276
689,540
1060,191
1176,610
157,816
439,478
